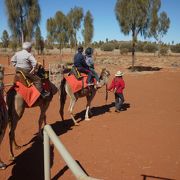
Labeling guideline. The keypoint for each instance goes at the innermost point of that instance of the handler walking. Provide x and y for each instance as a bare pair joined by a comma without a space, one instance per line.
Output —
118,85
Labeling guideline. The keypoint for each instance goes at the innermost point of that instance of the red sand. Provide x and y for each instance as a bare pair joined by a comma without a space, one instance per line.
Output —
145,139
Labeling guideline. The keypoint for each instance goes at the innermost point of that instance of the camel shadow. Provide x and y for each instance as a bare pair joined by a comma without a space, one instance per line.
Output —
30,163
98,110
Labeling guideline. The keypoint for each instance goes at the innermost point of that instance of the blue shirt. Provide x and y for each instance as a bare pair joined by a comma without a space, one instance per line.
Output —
79,61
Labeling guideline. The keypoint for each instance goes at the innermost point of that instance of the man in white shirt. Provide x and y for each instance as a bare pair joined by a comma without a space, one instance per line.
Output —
24,61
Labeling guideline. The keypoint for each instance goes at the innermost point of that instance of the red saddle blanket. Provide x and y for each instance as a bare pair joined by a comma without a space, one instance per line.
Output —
29,94
75,84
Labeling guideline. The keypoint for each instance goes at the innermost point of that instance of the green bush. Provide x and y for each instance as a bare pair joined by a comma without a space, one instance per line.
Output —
164,50
124,51
126,45
107,47
175,48
150,47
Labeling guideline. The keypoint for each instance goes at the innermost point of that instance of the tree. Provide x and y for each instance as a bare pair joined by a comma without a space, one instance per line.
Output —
88,28
135,16
23,17
75,17
38,39
50,26
159,28
5,39
61,29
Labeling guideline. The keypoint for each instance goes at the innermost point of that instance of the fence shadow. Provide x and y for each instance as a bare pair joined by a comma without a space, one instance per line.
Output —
30,163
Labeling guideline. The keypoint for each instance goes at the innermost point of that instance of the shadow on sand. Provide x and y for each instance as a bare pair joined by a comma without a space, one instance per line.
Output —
144,68
30,163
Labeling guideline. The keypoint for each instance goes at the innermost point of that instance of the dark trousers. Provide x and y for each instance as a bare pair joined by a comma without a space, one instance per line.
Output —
119,100
86,71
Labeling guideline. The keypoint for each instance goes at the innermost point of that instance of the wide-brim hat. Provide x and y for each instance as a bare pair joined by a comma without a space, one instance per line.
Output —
119,73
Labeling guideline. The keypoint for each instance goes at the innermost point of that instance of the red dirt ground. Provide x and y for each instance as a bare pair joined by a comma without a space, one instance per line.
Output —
145,139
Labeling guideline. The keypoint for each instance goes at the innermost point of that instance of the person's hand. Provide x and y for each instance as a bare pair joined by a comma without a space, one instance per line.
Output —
32,71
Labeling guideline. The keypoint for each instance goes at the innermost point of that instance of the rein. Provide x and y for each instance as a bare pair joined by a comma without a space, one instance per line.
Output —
106,94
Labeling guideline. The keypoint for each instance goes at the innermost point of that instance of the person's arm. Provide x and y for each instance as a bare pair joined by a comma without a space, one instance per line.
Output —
122,84
33,63
111,86
84,64
14,60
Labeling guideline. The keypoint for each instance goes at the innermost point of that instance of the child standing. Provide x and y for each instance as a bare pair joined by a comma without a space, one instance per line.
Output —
118,85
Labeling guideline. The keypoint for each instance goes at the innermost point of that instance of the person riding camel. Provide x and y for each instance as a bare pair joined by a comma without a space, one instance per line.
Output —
80,64
25,62
90,62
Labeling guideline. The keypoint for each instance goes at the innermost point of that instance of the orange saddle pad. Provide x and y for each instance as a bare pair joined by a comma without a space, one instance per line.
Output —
29,94
75,84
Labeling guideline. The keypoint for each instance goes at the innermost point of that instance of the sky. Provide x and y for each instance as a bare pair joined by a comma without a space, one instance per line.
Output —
105,23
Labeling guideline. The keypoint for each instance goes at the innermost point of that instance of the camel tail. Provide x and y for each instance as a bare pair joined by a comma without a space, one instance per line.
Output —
63,95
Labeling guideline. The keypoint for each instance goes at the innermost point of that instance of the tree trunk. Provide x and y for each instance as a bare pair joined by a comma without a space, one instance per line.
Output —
133,50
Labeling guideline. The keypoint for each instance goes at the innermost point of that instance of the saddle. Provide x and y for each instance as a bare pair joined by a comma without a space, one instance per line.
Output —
24,86
76,73
22,78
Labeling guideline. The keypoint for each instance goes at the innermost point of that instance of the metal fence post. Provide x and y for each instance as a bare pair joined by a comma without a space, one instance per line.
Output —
47,172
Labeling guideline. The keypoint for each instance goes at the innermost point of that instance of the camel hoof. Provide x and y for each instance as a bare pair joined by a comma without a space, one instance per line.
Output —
76,124
87,119
2,166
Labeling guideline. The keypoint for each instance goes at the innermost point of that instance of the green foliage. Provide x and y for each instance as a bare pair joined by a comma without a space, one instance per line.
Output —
13,44
175,48
23,17
150,47
124,51
126,45
135,16
75,17
5,39
160,27
107,47
39,40
88,29
164,50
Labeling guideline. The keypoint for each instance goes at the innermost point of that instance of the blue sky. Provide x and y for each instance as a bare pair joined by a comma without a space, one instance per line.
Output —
105,23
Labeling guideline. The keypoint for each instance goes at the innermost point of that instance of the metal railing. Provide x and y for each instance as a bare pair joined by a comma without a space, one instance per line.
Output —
49,134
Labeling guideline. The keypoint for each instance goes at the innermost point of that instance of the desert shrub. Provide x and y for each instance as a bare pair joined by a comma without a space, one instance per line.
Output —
175,48
124,51
13,45
49,46
107,47
164,50
140,46
150,47
126,45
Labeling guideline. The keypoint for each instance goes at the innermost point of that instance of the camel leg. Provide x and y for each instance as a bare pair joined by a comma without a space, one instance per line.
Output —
14,117
3,126
88,110
42,117
72,103
13,126
87,114
2,133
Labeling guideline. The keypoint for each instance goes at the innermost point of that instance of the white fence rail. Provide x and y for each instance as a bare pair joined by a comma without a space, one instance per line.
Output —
71,163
